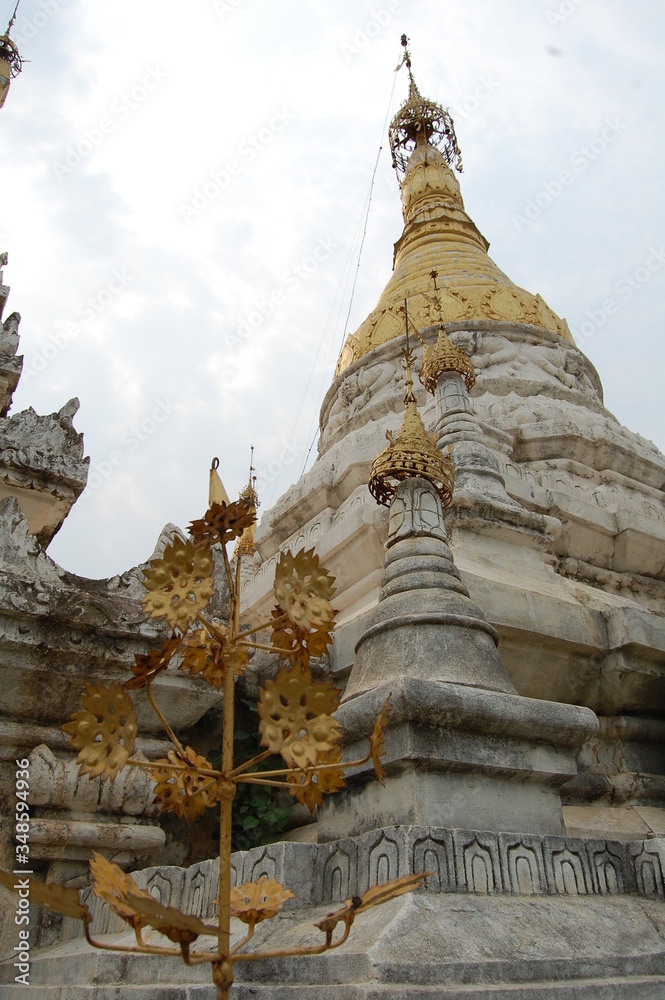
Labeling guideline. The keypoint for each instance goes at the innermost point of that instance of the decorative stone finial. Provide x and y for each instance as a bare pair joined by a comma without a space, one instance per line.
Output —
421,122
412,452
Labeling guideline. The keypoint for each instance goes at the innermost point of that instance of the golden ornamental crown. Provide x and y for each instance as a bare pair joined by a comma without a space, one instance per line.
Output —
412,452
445,357
421,121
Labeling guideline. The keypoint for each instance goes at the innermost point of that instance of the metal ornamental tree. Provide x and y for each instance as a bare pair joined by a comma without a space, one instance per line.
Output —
296,722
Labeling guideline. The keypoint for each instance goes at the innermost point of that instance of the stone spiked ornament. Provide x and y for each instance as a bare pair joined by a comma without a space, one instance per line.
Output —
296,722
412,452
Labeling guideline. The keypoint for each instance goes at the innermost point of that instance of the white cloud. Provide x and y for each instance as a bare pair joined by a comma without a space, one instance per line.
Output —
219,76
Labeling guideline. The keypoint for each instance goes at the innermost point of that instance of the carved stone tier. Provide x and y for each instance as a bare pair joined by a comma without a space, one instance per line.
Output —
502,915
462,747
584,596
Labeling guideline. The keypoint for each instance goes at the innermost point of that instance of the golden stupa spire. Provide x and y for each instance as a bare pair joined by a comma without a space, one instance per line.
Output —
439,235
421,122
412,452
245,543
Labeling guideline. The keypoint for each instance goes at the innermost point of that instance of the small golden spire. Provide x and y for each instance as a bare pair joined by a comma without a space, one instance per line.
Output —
445,357
420,122
245,544
411,453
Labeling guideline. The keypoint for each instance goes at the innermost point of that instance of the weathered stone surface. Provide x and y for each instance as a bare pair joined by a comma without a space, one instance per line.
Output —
463,749
589,943
43,466
578,621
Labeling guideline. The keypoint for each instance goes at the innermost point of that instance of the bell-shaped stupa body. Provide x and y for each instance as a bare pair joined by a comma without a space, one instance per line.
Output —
557,522
439,236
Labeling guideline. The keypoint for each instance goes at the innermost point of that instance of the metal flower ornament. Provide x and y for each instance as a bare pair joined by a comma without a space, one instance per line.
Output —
296,722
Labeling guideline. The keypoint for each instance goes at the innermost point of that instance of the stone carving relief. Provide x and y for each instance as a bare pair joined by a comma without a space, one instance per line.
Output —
649,872
10,364
415,510
49,443
435,853
59,784
568,872
379,861
339,875
488,350
480,865
462,861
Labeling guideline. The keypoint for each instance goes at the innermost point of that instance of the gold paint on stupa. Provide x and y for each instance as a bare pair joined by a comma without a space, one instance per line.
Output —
411,453
439,235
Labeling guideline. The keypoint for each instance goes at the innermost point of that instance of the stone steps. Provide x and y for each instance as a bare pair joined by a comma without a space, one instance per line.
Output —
420,946
627,988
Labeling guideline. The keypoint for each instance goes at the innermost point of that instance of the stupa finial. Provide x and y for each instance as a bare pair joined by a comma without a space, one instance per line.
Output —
421,122
411,453
245,543
249,493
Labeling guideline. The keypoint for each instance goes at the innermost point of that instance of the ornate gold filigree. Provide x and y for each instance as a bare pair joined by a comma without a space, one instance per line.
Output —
200,650
104,730
413,452
223,522
184,791
373,897
50,895
253,902
298,644
445,357
148,665
208,656
309,787
303,590
296,719
420,121
179,585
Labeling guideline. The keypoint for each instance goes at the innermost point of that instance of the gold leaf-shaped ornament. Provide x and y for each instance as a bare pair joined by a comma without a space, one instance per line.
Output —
309,787
110,883
296,716
103,731
223,522
184,791
253,902
178,927
303,589
149,665
374,896
179,584
50,895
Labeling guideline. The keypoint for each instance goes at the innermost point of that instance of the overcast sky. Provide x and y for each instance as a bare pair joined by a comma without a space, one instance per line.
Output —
183,192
